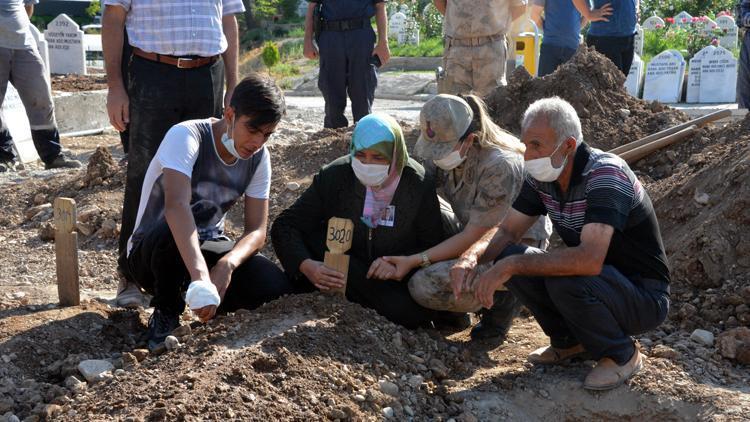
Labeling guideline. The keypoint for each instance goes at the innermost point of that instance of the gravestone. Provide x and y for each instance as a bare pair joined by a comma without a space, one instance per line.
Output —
404,9
302,8
664,76
14,116
635,76
43,49
728,26
410,34
66,48
694,74
638,40
683,19
718,77
397,25
654,22
708,25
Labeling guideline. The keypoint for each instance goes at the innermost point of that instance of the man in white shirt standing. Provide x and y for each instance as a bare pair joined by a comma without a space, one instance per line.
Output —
201,168
181,51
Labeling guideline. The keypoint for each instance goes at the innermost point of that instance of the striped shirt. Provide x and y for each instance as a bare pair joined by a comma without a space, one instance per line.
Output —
603,190
178,27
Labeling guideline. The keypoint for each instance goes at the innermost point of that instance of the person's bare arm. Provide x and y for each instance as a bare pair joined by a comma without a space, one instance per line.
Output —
113,26
536,15
310,50
585,259
517,11
381,20
230,55
593,15
29,9
440,5
252,240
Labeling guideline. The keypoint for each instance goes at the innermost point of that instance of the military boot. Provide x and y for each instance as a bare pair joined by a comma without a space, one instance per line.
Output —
496,321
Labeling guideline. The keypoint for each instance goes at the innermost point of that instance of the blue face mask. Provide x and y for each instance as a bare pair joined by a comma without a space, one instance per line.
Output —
229,144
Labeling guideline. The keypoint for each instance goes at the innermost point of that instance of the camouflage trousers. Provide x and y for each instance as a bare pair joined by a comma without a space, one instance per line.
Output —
477,69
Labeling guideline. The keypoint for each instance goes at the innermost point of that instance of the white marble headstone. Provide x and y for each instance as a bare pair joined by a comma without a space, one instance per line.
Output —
397,25
694,74
638,40
728,26
718,77
664,76
683,19
410,34
708,24
404,9
635,76
14,115
302,8
66,47
654,22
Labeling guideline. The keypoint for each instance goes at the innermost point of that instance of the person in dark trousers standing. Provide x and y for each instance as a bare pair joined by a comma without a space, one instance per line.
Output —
743,78
562,24
127,53
375,179
611,281
200,170
21,65
615,36
181,51
348,61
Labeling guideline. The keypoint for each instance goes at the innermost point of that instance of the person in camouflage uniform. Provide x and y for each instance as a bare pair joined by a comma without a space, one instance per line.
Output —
475,47
480,173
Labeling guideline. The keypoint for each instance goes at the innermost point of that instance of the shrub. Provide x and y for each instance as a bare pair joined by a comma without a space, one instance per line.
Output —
669,8
270,54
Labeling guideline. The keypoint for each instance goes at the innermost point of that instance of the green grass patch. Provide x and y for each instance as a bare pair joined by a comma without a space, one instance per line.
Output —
430,47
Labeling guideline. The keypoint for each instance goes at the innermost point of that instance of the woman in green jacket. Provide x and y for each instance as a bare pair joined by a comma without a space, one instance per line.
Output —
394,209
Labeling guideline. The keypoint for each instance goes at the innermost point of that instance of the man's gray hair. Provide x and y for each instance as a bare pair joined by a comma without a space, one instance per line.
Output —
558,114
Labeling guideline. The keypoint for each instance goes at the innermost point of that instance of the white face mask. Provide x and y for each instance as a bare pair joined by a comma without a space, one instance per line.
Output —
229,144
542,170
450,161
370,174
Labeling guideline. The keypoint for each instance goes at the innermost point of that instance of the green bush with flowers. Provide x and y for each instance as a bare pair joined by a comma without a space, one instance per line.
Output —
688,37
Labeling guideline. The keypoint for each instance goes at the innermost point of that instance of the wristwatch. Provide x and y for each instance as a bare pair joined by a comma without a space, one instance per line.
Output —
425,260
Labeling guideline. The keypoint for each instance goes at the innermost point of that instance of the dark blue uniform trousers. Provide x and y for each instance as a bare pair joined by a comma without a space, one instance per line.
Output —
346,67
743,77
600,312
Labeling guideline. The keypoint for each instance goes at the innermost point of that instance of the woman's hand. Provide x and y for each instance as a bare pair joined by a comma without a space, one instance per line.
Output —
382,270
403,264
321,276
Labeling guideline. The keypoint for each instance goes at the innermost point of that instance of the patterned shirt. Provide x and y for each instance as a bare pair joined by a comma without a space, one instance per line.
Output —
478,18
603,190
178,27
482,193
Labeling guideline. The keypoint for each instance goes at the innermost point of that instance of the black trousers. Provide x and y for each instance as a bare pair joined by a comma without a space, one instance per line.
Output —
389,298
552,56
156,264
743,76
618,49
346,67
600,312
127,53
161,96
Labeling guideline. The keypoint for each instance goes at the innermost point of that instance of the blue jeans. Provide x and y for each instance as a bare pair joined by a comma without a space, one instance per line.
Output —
551,56
600,312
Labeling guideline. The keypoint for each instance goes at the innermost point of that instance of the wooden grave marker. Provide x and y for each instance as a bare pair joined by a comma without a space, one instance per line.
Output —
339,241
66,251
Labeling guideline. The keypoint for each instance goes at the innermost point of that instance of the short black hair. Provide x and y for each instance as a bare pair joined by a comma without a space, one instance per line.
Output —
259,98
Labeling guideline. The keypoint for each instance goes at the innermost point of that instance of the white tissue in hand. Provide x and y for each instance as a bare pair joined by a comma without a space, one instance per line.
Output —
202,293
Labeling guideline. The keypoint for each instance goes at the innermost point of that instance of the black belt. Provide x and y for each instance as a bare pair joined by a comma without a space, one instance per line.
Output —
345,24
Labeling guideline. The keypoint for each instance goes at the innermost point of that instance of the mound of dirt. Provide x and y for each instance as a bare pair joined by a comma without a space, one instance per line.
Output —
75,83
101,166
328,359
594,86
704,211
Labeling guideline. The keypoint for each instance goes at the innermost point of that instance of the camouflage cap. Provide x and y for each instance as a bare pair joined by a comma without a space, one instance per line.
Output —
443,120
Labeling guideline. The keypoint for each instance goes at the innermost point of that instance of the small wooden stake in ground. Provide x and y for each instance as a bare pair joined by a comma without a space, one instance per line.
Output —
338,241
66,251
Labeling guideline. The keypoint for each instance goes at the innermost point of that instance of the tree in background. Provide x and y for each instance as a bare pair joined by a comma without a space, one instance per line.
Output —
669,8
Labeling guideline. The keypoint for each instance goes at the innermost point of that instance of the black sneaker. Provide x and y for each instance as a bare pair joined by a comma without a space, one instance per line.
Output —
160,325
451,321
62,161
7,165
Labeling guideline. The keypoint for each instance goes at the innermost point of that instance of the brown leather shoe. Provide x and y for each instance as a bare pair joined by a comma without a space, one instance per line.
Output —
553,356
607,374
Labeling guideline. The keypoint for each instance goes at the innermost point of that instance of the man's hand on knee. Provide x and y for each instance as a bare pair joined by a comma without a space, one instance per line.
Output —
462,275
